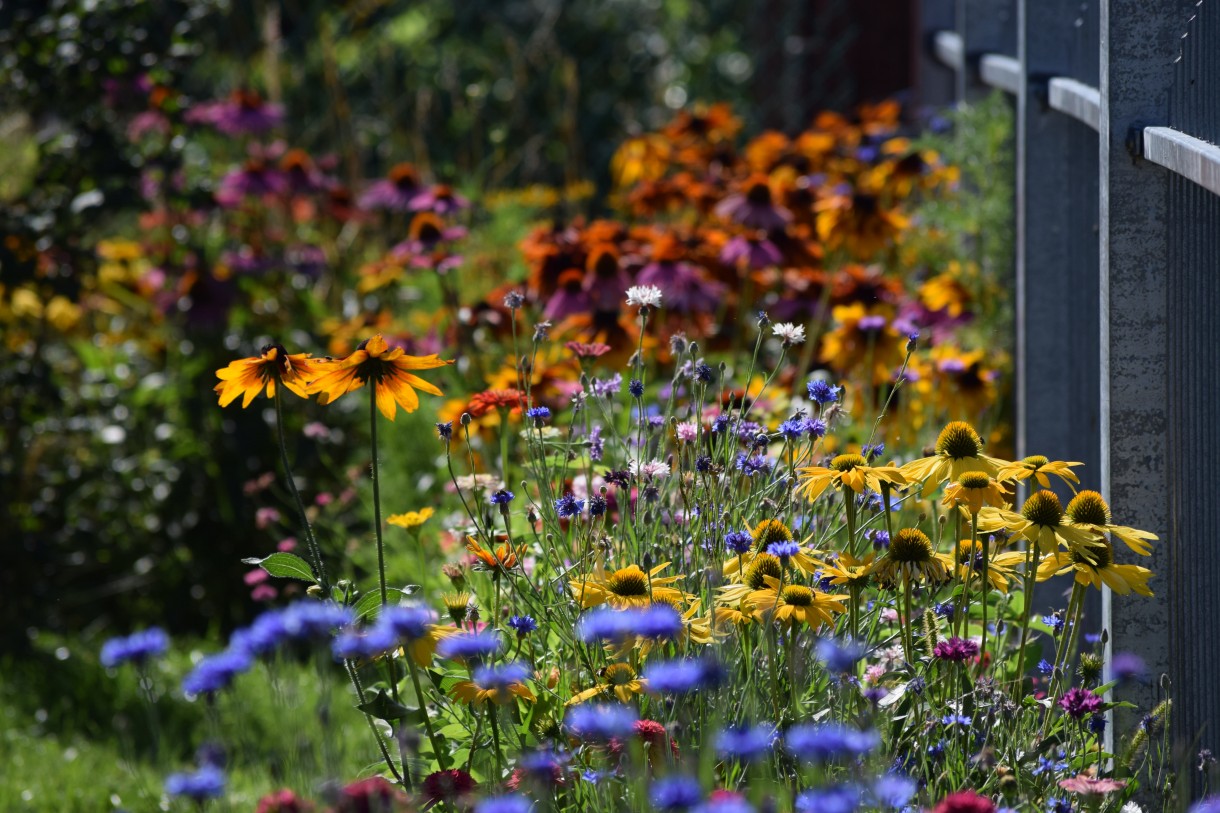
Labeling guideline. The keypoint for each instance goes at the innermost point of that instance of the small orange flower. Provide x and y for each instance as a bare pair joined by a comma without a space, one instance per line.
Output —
247,377
504,559
387,368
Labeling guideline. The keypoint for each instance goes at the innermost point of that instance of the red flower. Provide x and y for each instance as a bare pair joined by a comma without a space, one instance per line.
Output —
372,795
447,786
965,801
282,801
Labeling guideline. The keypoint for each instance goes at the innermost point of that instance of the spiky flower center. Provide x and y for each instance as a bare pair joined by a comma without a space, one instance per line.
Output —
797,595
768,531
974,479
1101,553
759,193
763,565
1034,462
958,440
628,582
1088,508
1043,508
619,674
847,462
911,545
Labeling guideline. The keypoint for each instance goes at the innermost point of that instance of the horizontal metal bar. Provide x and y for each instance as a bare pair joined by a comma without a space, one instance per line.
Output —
1078,100
1001,72
1192,158
947,46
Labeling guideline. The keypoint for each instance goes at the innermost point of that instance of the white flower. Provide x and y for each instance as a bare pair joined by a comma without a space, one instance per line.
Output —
789,333
645,296
687,431
653,469
1131,807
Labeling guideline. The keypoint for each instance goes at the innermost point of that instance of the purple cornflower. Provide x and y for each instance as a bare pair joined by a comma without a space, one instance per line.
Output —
539,415
568,506
745,743
1128,666
405,623
833,799
955,649
704,373
1045,667
821,392
956,719
445,430
839,657
512,803
601,721
367,643
1078,702
880,539
658,621
792,428
871,453
720,424
502,497
606,624
738,541
703,463
611,386
944,610
215,672
523,624
682,676
597,505
826,742
206,783
636,387
501,676
597,445
815,427
514,300
469,646
139,647
675,793
894,790
307,619
750,465
784,550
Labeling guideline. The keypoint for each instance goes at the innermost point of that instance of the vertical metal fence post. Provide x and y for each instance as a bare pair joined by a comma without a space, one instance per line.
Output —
1139,42
935,82
985,26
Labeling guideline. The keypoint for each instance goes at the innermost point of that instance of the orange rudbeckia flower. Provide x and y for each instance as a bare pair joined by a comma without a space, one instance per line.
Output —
247,377
387,368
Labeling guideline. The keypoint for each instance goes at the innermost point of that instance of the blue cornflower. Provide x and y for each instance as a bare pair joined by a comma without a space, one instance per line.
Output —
815,427
894,790
568,505
501,676
1059,804
871,453
523,624
720,424
784,550
824,742
597,444
738,541
215,672
750,465
597,505
1097,724
469,646
1050,765
682,676
445,430
1092,637
944,610
658,621
704,373
139,647
513,803
306,619
636,387
955,719
206,783
917,685
539,415
703,463
1045,667
1126,666
912,340
833,799
1209,805
601,721
405,623
675,793
746,743
936,750
606,624
611,386
367,643
1055,622
880,539
870,500
748,430
502,497
839,657
821,392
792,428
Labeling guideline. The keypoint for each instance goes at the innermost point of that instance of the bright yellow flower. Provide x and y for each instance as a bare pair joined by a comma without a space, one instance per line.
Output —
795,603
410,519
1122,579
503,559
959,449
1040,522
763,534
912,557
1037,467
1000,566
247,377
619,679
374,360
861,337
848,571
972,491
1089,510
850,470
627,587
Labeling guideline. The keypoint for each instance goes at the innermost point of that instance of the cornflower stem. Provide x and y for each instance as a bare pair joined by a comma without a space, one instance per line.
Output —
377,527
1067,642
986,588
1031,568
504,448
311,543
792,689
441,757
854,610
495,738
908,635
354,676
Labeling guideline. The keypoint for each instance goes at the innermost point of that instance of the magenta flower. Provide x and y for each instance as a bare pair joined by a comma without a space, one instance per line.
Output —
1079,702
244,113
685,289
394,193
756,250
957,650
754,207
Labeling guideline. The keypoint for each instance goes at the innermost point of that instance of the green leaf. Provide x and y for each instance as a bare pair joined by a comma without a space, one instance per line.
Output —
285,566
384,708
368,606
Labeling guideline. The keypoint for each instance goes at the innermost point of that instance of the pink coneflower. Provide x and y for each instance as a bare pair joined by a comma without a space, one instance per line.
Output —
255,179
283,801
395,192
753,206
302,175
588,350
447,786
685,289
244,113
440,199
570,299
753,250
1091,786
605,280
965,801
374,793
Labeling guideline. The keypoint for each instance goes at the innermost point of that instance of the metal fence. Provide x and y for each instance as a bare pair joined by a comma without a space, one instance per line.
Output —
1118,288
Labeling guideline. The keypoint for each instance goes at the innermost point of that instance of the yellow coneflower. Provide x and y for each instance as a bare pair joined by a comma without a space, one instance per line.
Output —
423,648
763,535
959,449
388,370
1122,579
496,684
912,558
1037,467
795,604
1041,522
754,577
850,470
848,570
972,491
458,606
1089,510
627,587
1000,566
410,519
248,377
617,678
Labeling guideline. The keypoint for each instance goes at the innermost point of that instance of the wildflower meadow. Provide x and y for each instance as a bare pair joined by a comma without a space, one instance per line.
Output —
681,481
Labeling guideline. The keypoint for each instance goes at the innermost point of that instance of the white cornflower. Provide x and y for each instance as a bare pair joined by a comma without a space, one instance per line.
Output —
1131,807
652,469
645,296
789,333
687,431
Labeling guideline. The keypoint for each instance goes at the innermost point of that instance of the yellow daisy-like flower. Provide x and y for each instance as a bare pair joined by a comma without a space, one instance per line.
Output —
850,470
848,571
1040,522
248,377
911,557
1037,467
763,535
423,648
959,449
1122,579
496,684
752,578
1089,510
627,587
972,491
1000,566
388,370
795,604
617,678
410,519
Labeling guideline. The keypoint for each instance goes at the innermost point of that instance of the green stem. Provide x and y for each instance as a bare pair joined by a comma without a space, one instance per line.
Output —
372,385
311,543
1031,568
441,757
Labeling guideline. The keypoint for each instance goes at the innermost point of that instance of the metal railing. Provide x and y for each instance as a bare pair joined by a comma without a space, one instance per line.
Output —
1118,287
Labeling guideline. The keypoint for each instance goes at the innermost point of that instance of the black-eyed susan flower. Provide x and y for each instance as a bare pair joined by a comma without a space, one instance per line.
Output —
387,368
1089,510
1100,568
912,558
850,470
849,571
859,222
1041,521
1038,467
410,519
248,377
496,684
766,533
974,490
959,449
795,604
627,587
747,580
617,678
1001,567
